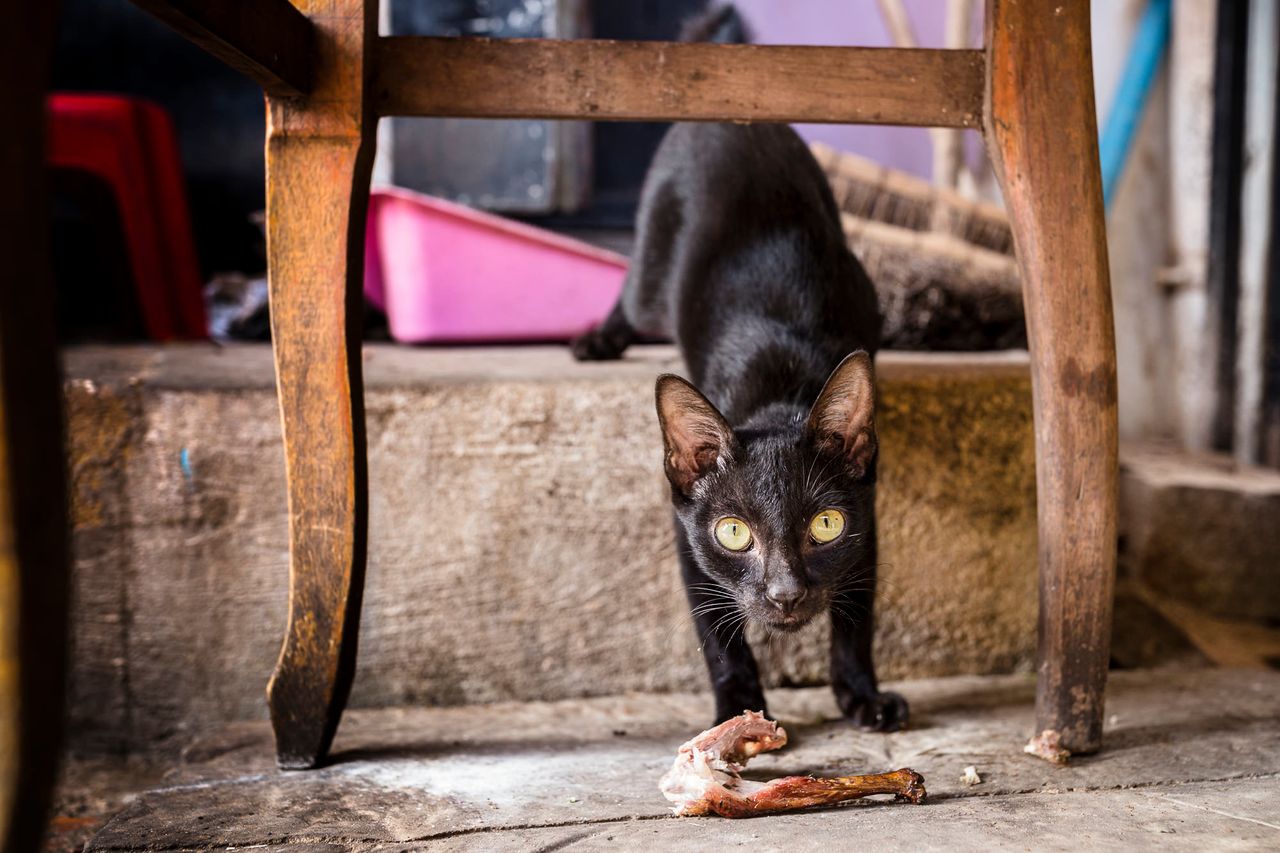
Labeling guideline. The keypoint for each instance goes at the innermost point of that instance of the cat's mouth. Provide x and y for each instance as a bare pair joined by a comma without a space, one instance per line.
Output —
787,624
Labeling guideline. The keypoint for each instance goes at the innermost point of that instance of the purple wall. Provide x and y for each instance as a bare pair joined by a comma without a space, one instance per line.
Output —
853,22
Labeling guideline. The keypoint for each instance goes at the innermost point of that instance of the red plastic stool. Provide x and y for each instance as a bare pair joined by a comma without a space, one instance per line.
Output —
130,144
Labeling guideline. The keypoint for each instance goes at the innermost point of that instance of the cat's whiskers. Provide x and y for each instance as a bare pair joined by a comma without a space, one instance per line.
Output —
714,602
711,597
678,622
848,593
706,598
736,625
710,587
877,579
733,623
822,484
688,617
842,609
712,592
809,489
709,609
775,639
841,600
809,474
725,618
891,583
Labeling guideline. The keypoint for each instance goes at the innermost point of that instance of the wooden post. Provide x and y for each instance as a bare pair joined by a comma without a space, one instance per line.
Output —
319,158
33,516
1041,131
269,40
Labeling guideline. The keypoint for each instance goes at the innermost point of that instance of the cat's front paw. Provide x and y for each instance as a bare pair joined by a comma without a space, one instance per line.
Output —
733,698
881,712
728,709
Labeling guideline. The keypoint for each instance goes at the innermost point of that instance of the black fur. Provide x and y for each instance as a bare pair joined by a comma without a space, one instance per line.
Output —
741,260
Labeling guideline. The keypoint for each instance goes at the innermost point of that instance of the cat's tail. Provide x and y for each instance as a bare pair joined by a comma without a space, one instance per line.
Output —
719,23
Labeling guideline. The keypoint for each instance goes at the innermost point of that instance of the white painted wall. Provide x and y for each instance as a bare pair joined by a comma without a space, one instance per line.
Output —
1158,228
1137,232
1255,224
1192,343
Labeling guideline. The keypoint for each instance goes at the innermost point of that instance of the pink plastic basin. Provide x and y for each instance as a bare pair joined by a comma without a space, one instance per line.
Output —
443,272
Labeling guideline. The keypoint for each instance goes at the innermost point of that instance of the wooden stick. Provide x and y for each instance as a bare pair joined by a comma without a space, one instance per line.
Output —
33,502
898,23
948,143
268,40
620,80
868,190
969,267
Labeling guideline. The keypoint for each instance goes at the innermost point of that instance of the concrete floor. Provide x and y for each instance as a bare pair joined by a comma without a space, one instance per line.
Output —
1192,761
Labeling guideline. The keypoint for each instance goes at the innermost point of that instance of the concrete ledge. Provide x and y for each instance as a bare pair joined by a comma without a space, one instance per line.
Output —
1202,531
520,543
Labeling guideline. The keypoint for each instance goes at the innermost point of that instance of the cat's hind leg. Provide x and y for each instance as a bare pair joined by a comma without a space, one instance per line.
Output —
607,341
641,310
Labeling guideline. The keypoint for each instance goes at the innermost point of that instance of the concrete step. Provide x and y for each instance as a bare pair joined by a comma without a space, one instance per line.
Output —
1199,567
1202,531
1190,761
181,552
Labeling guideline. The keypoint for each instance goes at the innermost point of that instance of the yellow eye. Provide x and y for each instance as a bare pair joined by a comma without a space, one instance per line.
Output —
733,533
826,525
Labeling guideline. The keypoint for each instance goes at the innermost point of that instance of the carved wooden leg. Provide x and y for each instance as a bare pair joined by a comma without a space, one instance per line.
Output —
33,518
319,156
1042,135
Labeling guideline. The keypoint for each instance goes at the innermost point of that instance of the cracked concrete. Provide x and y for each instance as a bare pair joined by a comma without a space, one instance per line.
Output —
1192,761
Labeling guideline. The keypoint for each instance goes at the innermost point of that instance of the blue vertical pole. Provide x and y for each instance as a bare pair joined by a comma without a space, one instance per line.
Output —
1149,43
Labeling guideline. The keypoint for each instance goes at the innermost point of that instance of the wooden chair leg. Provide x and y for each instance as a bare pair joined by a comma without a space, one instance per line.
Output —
33,516
319,158
1041,132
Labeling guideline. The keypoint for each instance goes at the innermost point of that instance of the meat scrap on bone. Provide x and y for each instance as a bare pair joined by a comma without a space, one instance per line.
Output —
706,775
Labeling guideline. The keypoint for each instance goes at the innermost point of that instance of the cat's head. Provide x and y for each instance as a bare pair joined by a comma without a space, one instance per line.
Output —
779,518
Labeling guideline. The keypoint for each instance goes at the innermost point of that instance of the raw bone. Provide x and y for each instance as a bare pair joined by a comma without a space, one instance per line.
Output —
705,778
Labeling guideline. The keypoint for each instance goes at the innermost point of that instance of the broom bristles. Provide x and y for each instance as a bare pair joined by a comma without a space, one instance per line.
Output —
867,190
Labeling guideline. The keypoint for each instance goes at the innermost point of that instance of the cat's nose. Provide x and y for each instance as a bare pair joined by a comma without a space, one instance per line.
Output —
785,596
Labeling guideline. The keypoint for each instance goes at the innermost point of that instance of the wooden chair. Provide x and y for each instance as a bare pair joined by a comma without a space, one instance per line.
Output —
33,513
329,77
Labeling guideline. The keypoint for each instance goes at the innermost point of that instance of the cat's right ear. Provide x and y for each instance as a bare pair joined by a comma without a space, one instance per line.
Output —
695,435
842,420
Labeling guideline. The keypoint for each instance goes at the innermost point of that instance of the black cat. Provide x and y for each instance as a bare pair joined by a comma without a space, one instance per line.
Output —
741,260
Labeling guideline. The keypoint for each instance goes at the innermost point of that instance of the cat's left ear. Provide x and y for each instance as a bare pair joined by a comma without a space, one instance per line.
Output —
696,436
842,420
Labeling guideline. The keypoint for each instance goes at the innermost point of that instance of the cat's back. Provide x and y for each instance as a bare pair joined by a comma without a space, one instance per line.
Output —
763,272
742,169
